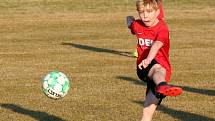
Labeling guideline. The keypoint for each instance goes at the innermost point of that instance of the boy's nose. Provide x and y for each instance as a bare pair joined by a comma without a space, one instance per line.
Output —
146,14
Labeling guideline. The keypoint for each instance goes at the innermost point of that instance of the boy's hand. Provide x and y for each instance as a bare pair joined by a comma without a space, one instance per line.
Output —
144,64
130,20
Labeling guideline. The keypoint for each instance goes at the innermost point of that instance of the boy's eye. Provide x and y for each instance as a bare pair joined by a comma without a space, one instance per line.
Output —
148,11
141,12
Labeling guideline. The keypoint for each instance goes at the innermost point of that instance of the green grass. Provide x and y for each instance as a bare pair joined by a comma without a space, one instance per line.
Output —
89,41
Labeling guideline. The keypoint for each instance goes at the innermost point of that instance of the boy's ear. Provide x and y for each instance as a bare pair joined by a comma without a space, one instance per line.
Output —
157,12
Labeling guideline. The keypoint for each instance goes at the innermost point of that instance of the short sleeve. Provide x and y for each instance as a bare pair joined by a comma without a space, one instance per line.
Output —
163,36
133,26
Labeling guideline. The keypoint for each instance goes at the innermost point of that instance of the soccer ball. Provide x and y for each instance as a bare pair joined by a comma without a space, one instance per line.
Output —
55,85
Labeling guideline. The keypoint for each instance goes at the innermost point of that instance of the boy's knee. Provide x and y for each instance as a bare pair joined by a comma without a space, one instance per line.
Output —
159,69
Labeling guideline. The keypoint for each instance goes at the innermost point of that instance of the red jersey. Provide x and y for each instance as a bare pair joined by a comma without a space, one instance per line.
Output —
146,36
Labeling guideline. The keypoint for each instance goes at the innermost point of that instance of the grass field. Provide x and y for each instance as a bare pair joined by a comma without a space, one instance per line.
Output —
89,41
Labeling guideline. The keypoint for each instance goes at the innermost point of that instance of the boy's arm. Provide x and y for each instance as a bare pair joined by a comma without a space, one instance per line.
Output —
130,20
152,53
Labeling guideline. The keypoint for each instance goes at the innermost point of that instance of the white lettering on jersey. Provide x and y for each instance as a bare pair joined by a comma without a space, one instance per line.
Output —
146,42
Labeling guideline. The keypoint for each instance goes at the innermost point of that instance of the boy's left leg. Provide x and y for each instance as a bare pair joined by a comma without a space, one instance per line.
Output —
150,106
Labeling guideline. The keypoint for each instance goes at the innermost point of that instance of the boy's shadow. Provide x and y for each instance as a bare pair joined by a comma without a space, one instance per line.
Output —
183,116
96,49
185,88
38,115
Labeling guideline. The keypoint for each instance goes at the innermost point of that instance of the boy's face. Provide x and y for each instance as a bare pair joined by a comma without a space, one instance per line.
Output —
148,15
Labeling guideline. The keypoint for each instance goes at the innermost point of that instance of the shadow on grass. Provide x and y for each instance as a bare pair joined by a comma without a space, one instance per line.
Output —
38,115
132,80
96,49
185,88
183,116
200,91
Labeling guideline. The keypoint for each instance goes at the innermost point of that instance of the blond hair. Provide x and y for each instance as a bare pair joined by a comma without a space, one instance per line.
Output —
140,4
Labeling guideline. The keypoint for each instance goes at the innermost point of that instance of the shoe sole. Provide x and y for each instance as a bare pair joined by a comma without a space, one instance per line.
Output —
173,91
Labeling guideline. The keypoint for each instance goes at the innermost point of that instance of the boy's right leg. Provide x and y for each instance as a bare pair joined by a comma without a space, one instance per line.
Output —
168,90
157,73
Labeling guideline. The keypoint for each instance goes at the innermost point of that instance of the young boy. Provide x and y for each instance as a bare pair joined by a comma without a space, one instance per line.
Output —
153,65
130,19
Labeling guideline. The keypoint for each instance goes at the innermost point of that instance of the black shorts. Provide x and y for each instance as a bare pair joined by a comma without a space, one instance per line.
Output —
143,75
